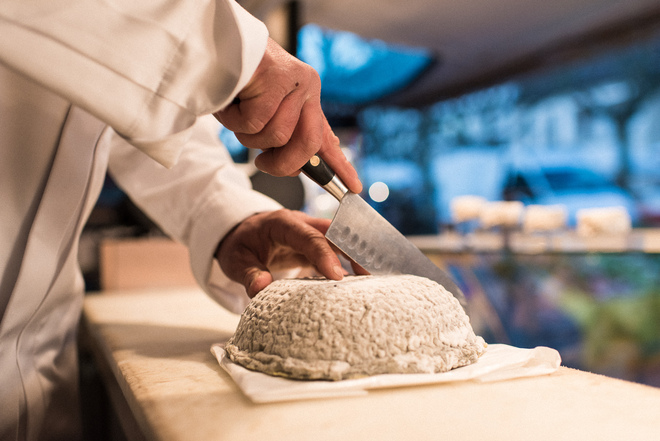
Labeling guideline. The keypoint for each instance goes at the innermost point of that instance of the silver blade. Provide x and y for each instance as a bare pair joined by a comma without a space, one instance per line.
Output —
371,241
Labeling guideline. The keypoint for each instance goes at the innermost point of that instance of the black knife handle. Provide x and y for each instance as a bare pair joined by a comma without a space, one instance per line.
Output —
318,171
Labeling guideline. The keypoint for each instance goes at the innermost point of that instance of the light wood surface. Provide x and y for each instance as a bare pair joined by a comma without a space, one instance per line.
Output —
155,345
149,262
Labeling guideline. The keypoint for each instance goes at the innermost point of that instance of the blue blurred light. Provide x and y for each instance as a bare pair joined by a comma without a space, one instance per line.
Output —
238,152
358,71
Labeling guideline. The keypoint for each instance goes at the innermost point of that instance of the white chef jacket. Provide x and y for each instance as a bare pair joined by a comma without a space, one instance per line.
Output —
70,70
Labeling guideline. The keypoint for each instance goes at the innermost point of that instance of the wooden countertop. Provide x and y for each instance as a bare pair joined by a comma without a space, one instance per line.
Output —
155,346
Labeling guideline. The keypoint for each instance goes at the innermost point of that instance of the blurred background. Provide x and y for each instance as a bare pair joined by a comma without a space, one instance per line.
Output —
540,102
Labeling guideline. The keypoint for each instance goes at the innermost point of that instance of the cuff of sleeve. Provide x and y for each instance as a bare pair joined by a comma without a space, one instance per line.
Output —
204,240
255,40
156,78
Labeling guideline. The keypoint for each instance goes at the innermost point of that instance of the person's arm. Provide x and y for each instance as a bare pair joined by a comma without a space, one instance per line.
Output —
204,201
279,111
196,202
146,68
149,69
271,242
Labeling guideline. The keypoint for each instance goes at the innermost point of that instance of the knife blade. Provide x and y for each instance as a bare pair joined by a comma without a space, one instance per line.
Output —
367,238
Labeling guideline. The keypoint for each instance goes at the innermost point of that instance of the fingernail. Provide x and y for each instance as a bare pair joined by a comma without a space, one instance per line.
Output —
338,272
252,288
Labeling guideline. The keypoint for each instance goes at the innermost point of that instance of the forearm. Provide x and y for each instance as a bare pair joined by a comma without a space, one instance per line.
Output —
146,70
197,202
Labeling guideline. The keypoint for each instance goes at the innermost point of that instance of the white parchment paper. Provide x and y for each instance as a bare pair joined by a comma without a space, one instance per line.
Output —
499,362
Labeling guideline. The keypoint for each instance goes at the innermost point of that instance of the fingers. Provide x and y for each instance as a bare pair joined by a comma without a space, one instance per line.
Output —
301,238
276,240
279,111
267,118
269,107
306,140
257,281
276,77
279,129
331,152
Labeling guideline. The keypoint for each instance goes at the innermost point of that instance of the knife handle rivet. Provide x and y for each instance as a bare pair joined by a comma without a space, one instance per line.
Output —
314,161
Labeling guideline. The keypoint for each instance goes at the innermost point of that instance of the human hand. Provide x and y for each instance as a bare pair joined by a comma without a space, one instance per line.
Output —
277,240
279,111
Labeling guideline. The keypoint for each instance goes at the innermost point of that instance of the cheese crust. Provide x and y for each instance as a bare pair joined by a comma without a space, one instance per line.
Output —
318,329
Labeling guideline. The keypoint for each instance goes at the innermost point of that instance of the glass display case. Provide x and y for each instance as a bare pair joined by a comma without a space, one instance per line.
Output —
596,299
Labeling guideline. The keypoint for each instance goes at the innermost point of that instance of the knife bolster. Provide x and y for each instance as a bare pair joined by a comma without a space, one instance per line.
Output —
336,188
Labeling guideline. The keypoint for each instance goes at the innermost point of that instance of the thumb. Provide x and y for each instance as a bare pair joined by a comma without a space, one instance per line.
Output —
245,268
255,280
250,271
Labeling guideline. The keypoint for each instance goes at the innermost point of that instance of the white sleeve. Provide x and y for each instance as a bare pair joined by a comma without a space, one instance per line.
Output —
146,68
196,202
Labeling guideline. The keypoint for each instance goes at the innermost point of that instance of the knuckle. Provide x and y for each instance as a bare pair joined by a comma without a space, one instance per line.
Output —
281,169
279,138
312,144
287,217
254,124
265,162
313,78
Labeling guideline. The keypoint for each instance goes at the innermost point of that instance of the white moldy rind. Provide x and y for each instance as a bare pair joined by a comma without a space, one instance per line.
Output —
363,325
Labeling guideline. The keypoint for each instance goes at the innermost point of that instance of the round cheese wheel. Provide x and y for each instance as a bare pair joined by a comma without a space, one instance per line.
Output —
360,326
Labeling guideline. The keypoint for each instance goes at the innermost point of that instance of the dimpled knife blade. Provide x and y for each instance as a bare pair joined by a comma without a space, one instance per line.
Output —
371,241
368,238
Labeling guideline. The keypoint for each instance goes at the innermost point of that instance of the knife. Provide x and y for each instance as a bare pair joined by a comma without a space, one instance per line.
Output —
367,238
